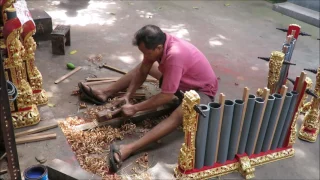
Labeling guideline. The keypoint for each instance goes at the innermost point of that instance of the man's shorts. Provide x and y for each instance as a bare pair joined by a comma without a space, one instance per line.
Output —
204,99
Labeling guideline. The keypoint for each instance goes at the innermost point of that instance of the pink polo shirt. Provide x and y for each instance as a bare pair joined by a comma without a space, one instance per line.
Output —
185,68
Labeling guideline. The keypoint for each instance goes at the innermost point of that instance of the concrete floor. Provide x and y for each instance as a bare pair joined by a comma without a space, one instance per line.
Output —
232,37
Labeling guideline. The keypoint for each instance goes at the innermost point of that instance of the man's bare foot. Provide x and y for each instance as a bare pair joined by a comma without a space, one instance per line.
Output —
125,151
98,94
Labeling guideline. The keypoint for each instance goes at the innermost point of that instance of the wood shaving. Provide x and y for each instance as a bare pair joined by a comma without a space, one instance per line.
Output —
75,93
82,105
95,58
92,147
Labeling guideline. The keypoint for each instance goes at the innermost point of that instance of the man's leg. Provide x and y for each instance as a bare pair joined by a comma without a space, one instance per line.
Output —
163,128
103,93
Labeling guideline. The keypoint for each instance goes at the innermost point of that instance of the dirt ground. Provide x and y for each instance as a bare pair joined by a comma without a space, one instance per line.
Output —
232,34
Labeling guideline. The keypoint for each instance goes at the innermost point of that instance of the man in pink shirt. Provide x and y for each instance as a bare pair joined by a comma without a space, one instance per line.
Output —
177,64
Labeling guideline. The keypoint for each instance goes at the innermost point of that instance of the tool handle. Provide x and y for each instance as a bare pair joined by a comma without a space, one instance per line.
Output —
113,69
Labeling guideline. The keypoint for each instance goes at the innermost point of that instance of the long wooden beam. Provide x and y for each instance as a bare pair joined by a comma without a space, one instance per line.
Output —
117,122
35,130
34,138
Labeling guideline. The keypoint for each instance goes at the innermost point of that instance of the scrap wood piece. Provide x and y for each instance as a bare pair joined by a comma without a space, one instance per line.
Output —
35,130
4,155
3,171
35,138
82,105
67,75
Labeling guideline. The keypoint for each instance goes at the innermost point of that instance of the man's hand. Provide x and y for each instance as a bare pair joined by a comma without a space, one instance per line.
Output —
129,109
123,100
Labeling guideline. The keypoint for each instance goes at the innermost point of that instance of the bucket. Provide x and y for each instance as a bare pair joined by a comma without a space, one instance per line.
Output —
37,172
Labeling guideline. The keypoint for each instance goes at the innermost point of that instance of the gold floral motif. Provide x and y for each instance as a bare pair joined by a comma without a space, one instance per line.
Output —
210,173
306,105
24,112
35,77
311,120
293,133
275,65
26,118
259,92
272,157
307,136
187,152
226,169
245,168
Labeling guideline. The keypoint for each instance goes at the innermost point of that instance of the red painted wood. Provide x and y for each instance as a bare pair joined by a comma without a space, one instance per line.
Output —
291,27
304,87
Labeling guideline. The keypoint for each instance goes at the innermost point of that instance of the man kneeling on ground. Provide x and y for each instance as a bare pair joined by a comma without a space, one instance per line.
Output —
177,64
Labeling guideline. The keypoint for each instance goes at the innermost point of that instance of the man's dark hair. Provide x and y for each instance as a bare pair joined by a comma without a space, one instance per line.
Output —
150,35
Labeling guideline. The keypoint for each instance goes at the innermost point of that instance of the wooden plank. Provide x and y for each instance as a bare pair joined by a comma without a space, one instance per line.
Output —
115,79
283,93
35,130
67,75
265,97
245,97
117,122
98,82
221,102
28,139
37,134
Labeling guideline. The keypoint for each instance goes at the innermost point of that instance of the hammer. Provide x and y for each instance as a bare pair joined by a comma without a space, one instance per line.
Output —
112,68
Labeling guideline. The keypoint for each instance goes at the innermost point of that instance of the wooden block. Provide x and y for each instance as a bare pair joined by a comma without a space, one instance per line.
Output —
43,23
107,114
35,138
35,130
60,37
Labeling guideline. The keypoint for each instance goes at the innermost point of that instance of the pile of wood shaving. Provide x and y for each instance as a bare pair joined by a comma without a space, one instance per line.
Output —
92,147
139,169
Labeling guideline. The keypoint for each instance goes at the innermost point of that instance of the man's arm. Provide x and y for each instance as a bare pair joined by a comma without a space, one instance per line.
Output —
154,102
140,76
170,84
